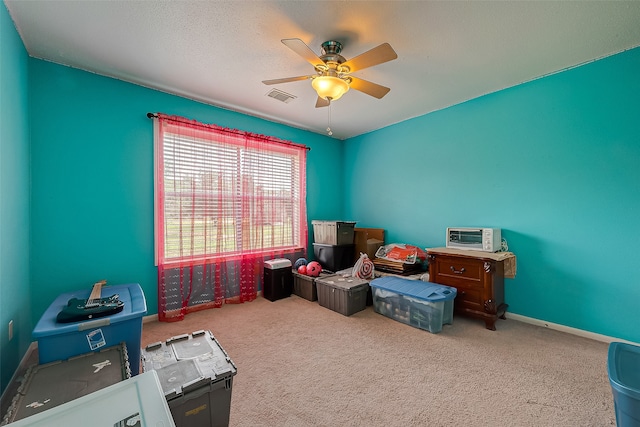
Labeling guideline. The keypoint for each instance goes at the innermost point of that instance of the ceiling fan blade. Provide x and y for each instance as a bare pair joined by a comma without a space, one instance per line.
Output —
285,80
375,56
373,89
322,102
299,47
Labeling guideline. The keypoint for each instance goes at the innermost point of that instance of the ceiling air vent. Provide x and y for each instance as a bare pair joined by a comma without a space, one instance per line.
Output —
281,96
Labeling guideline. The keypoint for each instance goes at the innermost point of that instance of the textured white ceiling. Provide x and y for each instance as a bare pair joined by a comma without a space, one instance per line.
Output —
218,52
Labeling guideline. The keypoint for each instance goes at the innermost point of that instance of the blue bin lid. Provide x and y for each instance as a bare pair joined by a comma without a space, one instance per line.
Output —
415,288
623,364
135,306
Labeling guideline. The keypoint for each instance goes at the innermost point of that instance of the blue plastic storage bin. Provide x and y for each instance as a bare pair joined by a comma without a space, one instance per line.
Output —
421,304
623,365
60,341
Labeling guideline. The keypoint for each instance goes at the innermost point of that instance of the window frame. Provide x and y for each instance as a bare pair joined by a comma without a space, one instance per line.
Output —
241,143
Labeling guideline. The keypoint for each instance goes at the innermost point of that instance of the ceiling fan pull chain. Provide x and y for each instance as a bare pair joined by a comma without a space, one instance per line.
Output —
329,120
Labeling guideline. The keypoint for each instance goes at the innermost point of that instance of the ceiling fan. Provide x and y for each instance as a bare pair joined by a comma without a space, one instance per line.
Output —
333,72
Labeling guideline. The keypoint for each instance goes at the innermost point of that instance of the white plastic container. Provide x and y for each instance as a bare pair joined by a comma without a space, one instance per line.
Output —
119,405
334,232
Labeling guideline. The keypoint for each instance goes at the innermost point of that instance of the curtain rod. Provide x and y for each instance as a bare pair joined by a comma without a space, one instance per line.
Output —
239,132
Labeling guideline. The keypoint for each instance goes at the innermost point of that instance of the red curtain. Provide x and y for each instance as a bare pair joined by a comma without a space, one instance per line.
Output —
225,201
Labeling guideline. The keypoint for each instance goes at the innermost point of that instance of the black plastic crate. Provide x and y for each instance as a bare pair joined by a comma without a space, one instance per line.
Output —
334,257
344,295
196,375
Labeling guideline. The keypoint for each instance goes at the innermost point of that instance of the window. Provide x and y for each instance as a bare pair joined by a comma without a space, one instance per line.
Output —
224,193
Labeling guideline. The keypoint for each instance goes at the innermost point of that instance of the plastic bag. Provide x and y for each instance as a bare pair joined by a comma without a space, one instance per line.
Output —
401,252
363,268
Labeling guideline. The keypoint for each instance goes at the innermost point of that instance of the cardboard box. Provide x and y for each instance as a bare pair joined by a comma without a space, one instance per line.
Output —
367,241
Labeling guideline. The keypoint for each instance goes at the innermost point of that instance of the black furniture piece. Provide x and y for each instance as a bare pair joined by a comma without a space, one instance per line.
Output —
278,279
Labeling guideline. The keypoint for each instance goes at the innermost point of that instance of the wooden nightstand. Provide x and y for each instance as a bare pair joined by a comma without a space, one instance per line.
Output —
478,278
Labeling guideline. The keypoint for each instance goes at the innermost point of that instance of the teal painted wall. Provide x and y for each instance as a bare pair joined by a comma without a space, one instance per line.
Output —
92,177
554,162
14,200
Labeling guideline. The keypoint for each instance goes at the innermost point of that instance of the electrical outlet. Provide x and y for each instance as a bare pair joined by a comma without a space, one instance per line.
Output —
10,330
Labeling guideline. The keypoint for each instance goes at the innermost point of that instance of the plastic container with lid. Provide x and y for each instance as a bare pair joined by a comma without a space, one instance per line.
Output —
60,341
196,376
623,364
343,294
424,305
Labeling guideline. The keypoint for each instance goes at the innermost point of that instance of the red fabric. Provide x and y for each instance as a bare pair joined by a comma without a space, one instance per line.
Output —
218,238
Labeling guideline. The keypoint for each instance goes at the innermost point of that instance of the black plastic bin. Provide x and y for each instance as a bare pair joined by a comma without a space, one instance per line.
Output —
334,257
196,375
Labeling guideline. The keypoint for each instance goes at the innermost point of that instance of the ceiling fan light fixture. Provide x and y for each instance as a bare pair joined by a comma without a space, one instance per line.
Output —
330,87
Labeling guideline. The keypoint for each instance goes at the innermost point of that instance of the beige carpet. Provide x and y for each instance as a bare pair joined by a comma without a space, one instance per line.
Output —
300,364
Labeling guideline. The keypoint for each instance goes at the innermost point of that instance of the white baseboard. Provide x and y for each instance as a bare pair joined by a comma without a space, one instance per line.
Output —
567,329
150,318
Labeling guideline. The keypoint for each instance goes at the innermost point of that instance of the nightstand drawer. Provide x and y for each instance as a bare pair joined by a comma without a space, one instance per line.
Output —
459,272
478,278
469,298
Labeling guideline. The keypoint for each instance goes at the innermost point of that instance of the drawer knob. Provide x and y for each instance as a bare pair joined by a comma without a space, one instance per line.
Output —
457,271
